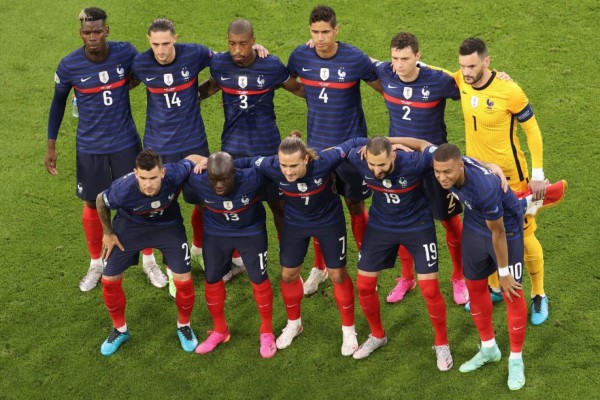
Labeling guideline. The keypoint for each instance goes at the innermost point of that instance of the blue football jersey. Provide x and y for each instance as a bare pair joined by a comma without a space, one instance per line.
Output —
105,123
332,89
173,120
250,128
417,108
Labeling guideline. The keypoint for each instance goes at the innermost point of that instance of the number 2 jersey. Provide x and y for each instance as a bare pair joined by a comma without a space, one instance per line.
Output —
173,120
105,124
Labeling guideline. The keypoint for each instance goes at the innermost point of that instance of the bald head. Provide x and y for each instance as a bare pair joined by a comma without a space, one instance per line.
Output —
241,27
221,172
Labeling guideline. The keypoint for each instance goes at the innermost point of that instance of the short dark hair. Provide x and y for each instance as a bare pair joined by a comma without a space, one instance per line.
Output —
473,45
161,25
403,40
240,27
92,14
378,145
323,13
148,160
446,152
293,143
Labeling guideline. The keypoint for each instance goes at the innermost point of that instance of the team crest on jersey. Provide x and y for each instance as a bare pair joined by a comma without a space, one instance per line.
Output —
403,182
387,183
260,81
168,78
242,81
155,204
120,71
425,92
302,187
324,73
228,205
407,92
319,181
245,200
185,74
341,74
56,78
489,103
103,76
474,101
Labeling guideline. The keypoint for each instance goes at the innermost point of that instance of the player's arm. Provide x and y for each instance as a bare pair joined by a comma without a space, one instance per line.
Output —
208,88
535,144
507,282
294,86
109,239
376,85
496,170
133,83
57,111
411,143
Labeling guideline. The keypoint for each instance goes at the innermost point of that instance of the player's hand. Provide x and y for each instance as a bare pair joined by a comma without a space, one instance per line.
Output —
362,152
50,162
402,147
509,286
311,43
260,50
496,170
108,243
538,188
201,166
503,76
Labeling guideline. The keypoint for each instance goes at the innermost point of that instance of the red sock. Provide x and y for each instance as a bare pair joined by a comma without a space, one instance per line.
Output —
453,241
263,295
292,294
406,261
319,259
359,225
481,308
436,305
215,294
148,251
185,297
516,314
197,227
92,227
236,254
369,302
114,299
343,293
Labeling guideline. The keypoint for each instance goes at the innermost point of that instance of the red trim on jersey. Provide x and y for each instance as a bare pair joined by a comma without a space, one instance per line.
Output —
334,85
177,88
98,89
307,194
238,92
384,190
239,210
426,104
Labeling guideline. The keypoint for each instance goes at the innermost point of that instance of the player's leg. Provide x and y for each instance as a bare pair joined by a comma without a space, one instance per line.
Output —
217,260
172,242
534,261
378,252
253,250
423,247
478,265
293,247
334,240
353,188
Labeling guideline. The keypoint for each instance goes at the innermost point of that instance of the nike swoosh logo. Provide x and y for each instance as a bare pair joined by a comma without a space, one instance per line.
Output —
209,202
518,328
306,69
346,307
263,305
366,177
365,191
150,79
476,314
224,78
86,79
293,305
138,208
431,264
211,304
341,258
392,87
284,184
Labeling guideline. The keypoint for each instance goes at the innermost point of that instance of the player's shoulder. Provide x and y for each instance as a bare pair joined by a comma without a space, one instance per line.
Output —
347,47
122,46
437,75
383,67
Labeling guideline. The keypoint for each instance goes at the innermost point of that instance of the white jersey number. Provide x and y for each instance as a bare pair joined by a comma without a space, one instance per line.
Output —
323,96
174,100
243,101
106,97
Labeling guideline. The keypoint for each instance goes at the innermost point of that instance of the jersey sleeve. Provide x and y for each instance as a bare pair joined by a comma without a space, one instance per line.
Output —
427,158
490,204
521,109
111,199
204,56
282,74
449,87
62,87
292,67
367,67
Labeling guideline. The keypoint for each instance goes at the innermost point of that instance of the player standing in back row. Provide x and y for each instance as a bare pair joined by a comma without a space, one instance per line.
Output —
331,73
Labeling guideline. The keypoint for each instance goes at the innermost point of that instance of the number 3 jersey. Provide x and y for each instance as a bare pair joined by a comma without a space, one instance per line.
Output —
332,91
135,208
173,120
240,213
105,123
250,128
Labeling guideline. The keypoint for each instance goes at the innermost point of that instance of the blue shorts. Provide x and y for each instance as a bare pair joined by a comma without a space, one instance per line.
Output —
95,172
217,251
350,184
294,244
479,258
169,239
380,249
442,204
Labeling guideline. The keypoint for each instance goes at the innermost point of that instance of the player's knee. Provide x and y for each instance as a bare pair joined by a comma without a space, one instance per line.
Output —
365,287
290,275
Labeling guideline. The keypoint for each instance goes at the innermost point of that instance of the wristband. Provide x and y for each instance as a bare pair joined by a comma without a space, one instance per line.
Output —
537,174
503,271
